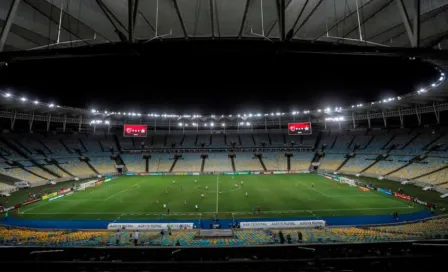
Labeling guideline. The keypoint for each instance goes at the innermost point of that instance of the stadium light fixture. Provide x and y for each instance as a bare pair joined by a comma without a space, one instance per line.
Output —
319,110
278,113
180,124
441,78
230,115
107,122
57,106
51,105
250,114
93,110
248,124
223,124
212,124
239,115
36,102
186,125
23,99
433,85
205,125
8,95
242,123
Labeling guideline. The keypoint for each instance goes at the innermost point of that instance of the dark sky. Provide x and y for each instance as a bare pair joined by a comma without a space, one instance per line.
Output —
217,81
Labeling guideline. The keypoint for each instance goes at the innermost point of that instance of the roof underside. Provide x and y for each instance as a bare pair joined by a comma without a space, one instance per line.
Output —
41,24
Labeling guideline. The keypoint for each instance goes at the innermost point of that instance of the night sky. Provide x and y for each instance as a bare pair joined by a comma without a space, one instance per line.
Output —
214,80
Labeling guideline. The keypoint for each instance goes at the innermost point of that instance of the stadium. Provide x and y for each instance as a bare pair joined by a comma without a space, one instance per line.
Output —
203,133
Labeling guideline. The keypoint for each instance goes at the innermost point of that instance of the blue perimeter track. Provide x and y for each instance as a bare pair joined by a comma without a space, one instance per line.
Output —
206,224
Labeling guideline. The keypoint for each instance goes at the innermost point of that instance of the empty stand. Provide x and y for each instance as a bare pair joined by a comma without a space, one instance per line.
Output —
188,163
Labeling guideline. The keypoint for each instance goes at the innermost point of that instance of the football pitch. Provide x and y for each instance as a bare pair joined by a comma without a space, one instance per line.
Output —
150,197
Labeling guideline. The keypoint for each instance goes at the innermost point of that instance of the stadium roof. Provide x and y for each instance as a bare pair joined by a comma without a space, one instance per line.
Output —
383,27
42,24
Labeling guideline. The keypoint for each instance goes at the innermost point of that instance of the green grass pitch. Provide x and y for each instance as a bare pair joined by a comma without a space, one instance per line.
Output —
298,195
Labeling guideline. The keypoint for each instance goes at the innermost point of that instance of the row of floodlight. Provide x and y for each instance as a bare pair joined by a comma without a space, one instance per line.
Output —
35,102
212,124
100,122
328,110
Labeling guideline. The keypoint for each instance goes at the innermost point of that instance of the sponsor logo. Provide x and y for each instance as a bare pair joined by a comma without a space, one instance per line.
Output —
49,195
402,196
384,191
156,174
181,174
283,224
31,201
148,226
63,191
364,189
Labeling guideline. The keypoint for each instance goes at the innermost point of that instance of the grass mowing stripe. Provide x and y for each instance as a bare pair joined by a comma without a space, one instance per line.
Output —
217,192
232,212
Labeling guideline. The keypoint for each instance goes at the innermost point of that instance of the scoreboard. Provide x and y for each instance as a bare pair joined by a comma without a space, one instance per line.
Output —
303,128
135,130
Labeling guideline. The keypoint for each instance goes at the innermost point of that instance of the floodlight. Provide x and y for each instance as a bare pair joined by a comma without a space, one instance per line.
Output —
93,111
230,115
319,110
180,124
205,125
248,124
186,125
223,124
23,99
212,124
278,113
242,123
250,114
433,85
7,95
107,122
36,102
441,78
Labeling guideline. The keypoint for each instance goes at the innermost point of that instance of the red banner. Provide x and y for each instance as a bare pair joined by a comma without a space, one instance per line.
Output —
405,197
30,202
135,130
63,191
303,128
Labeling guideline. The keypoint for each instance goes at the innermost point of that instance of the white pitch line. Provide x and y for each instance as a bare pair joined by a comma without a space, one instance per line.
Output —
32,208
217,192
124,190
265,212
